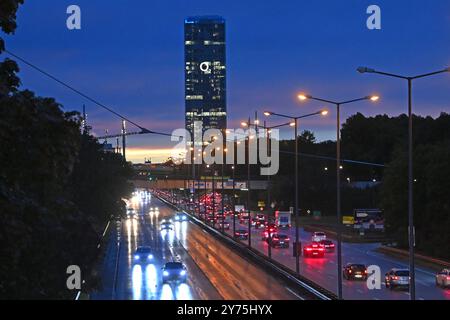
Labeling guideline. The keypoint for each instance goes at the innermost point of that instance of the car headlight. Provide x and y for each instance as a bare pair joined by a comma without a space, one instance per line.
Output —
136,257
150,256
165,273
182,272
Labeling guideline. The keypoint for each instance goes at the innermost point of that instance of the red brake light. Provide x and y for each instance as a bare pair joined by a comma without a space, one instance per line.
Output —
308,249
395,277
350,271
321,249
287,239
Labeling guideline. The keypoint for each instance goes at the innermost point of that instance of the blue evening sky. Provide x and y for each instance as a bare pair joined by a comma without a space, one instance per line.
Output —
129,55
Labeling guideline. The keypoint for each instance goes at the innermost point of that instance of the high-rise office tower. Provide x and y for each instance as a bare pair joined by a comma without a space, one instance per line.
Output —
205,72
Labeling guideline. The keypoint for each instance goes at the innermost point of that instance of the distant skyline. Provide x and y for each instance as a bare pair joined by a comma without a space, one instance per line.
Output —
131,58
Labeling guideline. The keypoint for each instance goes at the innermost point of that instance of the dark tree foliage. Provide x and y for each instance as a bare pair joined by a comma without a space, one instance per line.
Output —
8,9
431,198
57,189
383,140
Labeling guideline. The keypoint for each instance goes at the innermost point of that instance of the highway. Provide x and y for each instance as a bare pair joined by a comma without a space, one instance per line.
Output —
214,271
323,271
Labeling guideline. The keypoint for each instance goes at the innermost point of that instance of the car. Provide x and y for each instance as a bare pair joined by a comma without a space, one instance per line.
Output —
225,225
180,216
260,217
174,272
271,227
396,278
443,278
353,271
257,224
266,233
314,249
143,254
318,236
243,217
328,245
211,219
241,234
166,225
279,241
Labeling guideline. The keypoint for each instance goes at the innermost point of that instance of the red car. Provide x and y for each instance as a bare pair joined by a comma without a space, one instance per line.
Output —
266,233
314,249
328,245
226,225
271,227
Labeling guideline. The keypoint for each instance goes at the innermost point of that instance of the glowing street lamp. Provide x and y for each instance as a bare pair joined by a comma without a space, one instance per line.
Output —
412,286
338,105
296,209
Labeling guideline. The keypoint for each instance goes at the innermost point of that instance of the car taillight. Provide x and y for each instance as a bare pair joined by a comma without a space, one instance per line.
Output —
395,278
349,271
365,271
321,249
287,239
448,277
308,249
332,245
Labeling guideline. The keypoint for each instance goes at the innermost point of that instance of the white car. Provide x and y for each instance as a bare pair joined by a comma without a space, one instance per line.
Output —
318,236
443,278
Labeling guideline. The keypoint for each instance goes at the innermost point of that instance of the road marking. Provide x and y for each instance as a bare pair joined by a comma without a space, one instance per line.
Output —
295,294
421,298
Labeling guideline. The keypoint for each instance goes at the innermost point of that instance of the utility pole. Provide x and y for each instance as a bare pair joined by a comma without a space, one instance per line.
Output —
85,131
123,140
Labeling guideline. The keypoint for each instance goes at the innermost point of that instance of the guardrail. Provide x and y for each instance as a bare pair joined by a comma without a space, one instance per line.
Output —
99,244
405,254
311,288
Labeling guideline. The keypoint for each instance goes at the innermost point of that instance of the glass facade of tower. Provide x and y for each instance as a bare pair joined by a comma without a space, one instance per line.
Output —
205,72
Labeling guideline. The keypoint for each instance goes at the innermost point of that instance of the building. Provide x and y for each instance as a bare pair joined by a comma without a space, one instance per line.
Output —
205,72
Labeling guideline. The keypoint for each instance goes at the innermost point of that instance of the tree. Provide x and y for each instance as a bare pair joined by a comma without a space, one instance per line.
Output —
431,200
8,9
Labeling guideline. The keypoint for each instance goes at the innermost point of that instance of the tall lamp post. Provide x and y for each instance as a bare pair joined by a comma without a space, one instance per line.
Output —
411,230
233,203
296,209
223,191
248,138
338,174
268,130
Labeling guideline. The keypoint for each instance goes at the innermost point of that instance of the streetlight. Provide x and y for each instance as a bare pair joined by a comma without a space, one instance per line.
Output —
248,138
233,203
223,190
338,104
411,230
296,208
